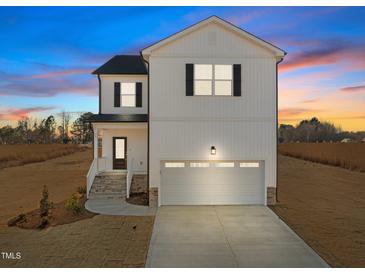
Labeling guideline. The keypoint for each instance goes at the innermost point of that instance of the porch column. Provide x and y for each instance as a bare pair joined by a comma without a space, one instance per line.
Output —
95,143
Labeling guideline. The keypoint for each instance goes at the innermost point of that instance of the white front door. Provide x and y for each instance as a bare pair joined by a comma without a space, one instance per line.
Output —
212,183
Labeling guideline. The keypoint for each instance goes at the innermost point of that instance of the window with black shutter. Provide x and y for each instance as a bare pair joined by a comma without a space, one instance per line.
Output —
213,80
138,94
237,80
189,79
116,94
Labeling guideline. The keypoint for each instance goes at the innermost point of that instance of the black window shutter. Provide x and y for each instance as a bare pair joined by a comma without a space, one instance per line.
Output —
138,94
237,80
189,79
116,94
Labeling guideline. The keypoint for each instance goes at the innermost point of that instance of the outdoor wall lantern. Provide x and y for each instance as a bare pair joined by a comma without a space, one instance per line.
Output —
213,150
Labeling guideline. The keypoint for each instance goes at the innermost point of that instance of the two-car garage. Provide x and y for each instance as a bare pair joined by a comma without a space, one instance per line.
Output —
212,182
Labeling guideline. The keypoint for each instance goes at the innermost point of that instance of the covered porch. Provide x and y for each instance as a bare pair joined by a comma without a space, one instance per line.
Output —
120,146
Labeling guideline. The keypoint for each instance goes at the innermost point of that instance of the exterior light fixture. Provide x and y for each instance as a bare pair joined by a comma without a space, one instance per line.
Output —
213,151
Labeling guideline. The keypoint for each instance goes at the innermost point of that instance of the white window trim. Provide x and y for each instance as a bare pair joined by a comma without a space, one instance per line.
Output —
213,81
122,95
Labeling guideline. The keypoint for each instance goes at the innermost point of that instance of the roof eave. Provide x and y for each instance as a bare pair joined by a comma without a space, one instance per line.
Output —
276,50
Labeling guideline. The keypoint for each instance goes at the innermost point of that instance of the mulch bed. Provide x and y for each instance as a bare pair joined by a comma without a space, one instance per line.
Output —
138,199
58,215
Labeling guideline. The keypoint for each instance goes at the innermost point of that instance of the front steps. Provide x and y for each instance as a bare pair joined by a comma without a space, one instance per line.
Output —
109,185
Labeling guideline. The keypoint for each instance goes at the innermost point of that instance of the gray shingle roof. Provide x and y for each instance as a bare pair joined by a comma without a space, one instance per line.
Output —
123,64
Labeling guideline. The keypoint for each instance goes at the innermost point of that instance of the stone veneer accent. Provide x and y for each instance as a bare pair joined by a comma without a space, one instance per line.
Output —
153,197
271,196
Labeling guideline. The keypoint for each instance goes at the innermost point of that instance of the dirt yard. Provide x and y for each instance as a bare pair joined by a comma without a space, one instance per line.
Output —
325,205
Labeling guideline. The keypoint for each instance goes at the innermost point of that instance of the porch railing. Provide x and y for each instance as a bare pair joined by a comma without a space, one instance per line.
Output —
129,175
91,175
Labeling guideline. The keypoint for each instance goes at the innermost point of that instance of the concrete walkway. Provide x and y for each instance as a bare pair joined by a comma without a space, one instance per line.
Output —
226,236
118,207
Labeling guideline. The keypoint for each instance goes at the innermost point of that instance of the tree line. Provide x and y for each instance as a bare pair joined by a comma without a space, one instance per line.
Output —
315,131
49,131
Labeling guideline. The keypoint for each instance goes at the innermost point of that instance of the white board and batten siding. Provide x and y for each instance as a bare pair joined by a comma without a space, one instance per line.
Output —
185,127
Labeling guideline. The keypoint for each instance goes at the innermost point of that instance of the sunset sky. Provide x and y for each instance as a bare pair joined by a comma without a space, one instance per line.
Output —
47,55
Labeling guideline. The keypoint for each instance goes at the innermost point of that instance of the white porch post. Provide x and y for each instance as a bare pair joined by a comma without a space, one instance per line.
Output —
95,143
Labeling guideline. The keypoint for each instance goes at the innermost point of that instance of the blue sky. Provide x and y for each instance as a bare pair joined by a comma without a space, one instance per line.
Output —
48,53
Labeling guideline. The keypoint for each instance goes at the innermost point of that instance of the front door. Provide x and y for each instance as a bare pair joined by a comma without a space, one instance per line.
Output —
119,153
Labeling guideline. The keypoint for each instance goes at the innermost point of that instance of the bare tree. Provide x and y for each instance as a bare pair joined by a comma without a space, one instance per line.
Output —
63,128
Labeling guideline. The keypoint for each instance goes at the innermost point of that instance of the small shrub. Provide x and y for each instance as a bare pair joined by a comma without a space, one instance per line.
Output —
45,205
81,190
74,204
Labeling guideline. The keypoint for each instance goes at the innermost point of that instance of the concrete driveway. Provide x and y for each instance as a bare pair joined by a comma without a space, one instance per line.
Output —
226,236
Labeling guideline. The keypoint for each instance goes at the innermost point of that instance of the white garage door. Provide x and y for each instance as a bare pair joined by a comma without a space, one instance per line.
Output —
212,183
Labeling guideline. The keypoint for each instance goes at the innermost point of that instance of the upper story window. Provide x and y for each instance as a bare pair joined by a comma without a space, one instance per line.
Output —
203,79
213,79
128,94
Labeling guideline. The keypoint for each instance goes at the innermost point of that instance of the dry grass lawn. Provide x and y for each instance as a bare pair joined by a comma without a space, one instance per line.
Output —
325,205
346,155
21,186
17,155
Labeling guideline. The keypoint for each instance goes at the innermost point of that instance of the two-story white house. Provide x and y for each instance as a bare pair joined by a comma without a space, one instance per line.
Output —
196,113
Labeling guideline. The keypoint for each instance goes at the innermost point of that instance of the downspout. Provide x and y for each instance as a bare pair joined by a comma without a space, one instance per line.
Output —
92,128
148,126
99,80
277,130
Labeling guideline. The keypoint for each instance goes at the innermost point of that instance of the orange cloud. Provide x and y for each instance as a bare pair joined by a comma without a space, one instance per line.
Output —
315,58
291,111
339,108
351,56
310,101
15,114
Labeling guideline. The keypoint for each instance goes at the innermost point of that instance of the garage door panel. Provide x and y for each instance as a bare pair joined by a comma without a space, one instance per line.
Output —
212,185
